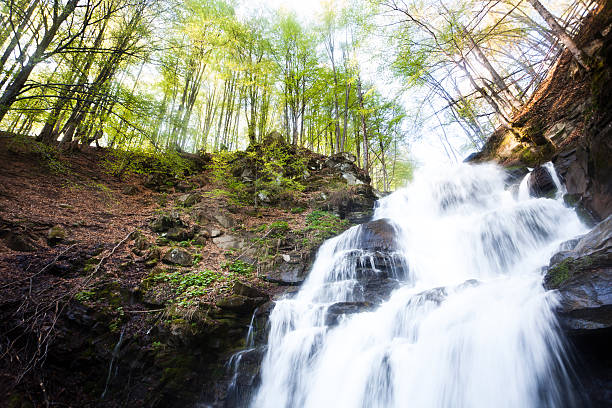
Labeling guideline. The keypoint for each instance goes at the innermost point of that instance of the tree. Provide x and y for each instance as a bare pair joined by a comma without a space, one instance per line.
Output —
560,33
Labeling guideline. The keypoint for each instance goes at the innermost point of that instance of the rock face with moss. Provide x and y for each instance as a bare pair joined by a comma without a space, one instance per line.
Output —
582,273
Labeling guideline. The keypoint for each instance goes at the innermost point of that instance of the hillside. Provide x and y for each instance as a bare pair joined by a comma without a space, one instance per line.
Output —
137,288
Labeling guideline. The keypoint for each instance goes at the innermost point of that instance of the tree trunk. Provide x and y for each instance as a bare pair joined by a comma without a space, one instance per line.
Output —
25,19
12,90
366,158
560,33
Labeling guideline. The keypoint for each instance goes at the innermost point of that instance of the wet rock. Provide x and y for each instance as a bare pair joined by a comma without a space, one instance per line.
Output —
375,289
287,274
56,235
165,222
240,304
244,371
577,202
379,235
514,175
178,256
541,183
188,200
583,277
338,310
587,171
473,157
249,291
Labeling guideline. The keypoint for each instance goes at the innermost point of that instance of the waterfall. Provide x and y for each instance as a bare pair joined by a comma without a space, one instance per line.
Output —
447,311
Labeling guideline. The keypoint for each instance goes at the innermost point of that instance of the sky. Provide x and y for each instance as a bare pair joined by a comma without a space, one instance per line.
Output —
305,9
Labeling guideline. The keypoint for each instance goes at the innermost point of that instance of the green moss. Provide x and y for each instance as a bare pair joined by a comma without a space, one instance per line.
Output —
85,295
560,273
564,270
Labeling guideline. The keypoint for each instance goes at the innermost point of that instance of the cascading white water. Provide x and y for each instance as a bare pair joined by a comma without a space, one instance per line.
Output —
470,324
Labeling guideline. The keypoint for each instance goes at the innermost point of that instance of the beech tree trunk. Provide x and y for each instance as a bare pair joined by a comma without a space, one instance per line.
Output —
560,33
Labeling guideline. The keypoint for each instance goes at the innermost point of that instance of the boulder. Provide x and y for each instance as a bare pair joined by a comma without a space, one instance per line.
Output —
337,310
351,179
249,291
56,234
205,216
541,183
240,304
582,274
286,273
178,256
226,242
379,235
179,234
273,138
514,175
164,222
586,172
188,200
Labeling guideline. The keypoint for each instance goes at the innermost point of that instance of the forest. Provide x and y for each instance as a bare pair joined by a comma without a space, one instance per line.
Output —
305,203
367,77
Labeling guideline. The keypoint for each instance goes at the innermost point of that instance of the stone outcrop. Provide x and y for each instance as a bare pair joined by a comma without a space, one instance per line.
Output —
582,273
541,183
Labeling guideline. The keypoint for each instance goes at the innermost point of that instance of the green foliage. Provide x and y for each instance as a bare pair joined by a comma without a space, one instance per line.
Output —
324,224
84,295
239,267
275,169
278,229
146,161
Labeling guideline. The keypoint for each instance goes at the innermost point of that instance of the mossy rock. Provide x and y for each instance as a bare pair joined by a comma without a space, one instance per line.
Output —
562,272
56,234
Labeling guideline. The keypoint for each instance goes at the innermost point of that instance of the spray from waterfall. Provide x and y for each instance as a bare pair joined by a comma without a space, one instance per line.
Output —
451,313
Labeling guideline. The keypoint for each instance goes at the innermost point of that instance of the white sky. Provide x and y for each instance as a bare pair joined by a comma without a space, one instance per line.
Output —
305,9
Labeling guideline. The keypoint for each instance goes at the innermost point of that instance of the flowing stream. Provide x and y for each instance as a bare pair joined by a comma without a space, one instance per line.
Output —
457,318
